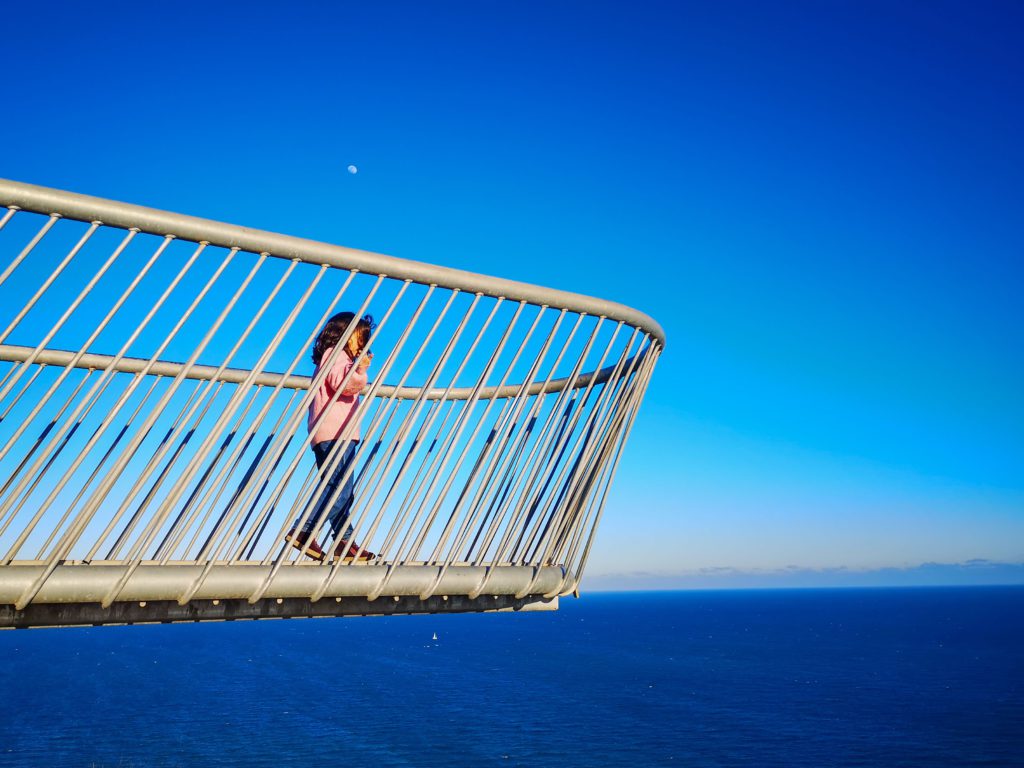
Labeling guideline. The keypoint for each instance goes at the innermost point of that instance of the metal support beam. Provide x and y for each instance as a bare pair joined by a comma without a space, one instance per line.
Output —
168,611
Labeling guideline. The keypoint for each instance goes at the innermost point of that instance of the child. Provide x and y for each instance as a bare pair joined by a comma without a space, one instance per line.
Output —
339,423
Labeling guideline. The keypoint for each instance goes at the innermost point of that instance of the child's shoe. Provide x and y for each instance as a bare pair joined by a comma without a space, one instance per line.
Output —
351,554
299,539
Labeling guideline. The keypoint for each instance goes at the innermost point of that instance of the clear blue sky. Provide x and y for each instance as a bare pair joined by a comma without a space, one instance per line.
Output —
820,202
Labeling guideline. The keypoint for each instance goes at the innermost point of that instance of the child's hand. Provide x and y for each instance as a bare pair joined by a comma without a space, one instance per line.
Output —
365,362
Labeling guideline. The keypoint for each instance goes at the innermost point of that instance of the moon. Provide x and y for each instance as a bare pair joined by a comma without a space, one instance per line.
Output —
353,170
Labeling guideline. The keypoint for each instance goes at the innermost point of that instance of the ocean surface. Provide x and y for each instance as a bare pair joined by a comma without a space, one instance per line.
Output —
855,677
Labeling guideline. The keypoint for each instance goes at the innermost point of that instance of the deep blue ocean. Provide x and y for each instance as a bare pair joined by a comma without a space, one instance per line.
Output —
874,677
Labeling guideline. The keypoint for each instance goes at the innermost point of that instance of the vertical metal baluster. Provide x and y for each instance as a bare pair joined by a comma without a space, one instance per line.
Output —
449,449
457,426
96,470
48,282
105,378
595,499
28,456
254,469
401,556
630,417
561,446
161,513
113,552
404,431
481,474
418,478
8,375
240,391
11,210
57,442
385,412
427,593
227,412
544,437
255,529
191,509
380,326
244,486
552,527
60,324
601,430
512,440
193,402
28,248
293,422
84,517
550,520
178,434
481,463
25,388
276,454
512,460
96,390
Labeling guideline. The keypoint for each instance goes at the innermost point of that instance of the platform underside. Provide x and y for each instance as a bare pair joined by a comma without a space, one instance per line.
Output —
74,594
169,611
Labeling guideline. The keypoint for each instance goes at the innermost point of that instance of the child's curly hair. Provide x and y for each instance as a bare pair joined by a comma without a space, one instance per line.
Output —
335,328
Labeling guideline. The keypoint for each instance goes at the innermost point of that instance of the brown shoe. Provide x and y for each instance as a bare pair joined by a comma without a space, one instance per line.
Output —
303,540
341,545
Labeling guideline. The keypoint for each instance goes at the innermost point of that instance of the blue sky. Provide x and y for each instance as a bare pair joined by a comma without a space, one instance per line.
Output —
820,202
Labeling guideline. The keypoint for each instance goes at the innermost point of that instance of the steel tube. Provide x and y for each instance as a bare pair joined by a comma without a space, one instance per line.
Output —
54,217
89,583
150,220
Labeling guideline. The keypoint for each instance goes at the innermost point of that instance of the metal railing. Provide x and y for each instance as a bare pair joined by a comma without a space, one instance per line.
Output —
154,391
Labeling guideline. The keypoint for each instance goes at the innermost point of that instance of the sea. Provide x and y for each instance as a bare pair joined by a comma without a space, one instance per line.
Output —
847,677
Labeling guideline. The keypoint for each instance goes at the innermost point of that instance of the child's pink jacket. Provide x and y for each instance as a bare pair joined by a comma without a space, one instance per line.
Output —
339,422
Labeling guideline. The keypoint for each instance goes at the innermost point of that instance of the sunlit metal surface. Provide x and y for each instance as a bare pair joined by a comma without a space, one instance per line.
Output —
154,387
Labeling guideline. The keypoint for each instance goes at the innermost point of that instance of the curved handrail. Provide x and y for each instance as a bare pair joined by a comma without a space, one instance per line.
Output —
14,353
72,205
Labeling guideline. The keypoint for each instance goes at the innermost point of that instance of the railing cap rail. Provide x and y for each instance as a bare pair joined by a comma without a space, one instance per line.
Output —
72,205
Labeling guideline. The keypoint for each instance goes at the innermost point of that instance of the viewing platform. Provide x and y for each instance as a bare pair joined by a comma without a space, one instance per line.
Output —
155,385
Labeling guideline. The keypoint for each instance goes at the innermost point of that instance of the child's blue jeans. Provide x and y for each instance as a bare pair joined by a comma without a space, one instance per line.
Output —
341,509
